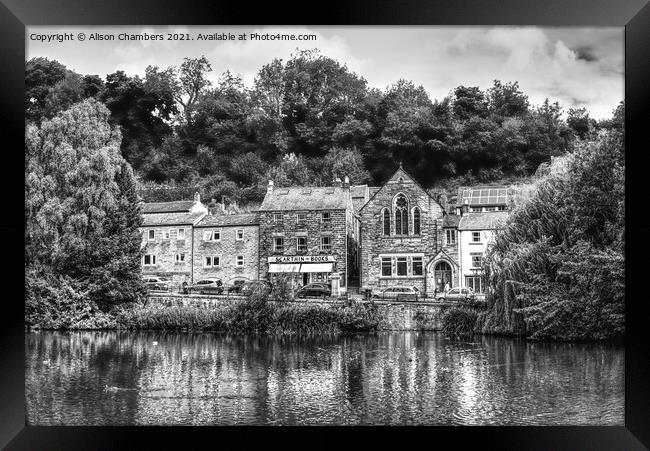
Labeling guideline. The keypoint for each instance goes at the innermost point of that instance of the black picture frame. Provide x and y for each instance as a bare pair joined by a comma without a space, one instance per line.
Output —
634,15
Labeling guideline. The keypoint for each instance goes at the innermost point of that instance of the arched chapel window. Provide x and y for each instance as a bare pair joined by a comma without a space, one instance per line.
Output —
416,221
386,220
401,216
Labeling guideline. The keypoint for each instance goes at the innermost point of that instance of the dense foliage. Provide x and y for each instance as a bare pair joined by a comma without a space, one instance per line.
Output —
305,121
562,251
82,243
255,315
459,321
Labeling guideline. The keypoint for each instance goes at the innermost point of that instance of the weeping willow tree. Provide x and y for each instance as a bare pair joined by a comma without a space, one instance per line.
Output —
556,271
82,249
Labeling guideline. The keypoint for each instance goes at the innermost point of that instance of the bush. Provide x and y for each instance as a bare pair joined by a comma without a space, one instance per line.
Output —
459,321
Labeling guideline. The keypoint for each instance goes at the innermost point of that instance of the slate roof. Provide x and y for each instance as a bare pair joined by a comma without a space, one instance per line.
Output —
170,219
243,219
299,198
451,221
360,195
177,206
490,220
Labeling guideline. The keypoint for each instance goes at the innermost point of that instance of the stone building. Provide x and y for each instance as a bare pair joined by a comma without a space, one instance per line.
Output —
167,244
401,236
227,247
308,233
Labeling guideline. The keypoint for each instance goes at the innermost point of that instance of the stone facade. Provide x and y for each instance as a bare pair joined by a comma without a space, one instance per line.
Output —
396,247
237,248
317,229
167,245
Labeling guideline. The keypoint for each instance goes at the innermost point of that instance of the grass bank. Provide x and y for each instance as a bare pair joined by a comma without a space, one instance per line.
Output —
254,316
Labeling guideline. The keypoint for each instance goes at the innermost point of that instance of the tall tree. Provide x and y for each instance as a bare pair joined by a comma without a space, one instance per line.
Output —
81,210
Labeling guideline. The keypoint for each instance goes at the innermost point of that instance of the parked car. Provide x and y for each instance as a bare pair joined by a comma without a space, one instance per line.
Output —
458,294
156,283
399,294
317,290
205,286
236,287
256,287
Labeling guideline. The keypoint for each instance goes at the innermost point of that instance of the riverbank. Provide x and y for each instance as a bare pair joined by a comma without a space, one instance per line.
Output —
262,315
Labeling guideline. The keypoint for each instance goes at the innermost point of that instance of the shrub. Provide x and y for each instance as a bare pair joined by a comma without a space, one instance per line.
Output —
459,321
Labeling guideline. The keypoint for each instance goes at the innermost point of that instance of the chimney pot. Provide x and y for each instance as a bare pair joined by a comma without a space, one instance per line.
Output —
346,182
269,188
337,182
197,197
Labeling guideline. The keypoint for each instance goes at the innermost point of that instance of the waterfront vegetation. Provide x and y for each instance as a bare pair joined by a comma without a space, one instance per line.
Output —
459,321
557,270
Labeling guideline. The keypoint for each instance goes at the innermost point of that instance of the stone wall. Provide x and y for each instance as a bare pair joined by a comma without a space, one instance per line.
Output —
227,248
166,249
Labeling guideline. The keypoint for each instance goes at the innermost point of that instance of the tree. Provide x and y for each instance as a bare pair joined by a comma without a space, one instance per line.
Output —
41,74
81,210
342,162
468,102
579,121
506,100
190,83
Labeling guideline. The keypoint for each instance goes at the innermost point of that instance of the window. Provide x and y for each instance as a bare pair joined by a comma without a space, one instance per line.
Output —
326,243
240,260
326,217
301,244
386,220
417,266
476,209
212,235
210,261
416,221
401,266
239,234
301,218
165,234
277,217
476,259
152,234
476,237
475,283
386,268
451,236
401,216
181,234
490,208
502,208
180,258
149,260
278,244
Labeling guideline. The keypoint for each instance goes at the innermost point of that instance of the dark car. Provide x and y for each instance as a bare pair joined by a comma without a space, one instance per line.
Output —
314,290
236,287
458,294
156,283
256,287
205,286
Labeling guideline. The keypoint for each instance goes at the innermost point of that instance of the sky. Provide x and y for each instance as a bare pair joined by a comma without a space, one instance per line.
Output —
578,67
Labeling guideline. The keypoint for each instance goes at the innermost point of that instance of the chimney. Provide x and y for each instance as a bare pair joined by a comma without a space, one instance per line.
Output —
269,188
346,182
197,197
465,207
337,182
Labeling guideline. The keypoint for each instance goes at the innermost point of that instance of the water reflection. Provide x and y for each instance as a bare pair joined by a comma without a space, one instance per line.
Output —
116,378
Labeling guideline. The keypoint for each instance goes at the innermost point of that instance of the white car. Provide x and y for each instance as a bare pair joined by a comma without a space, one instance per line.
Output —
156,283
399,293
458,294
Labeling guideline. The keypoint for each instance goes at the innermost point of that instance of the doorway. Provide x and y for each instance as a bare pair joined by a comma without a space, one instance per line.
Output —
442,276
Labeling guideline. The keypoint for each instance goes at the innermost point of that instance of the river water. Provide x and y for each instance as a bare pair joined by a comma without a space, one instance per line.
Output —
156,378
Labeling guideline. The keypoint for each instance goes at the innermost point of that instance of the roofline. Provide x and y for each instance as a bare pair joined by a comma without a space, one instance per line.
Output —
163,212
203,226
174,224
414,181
